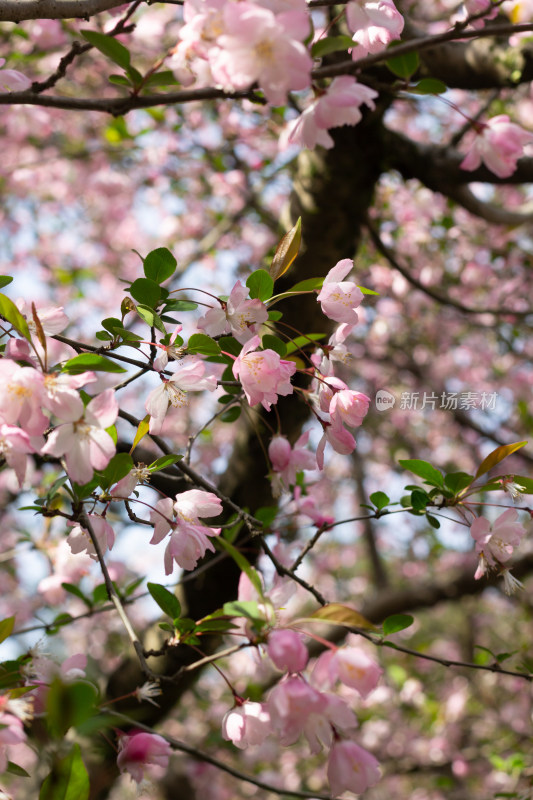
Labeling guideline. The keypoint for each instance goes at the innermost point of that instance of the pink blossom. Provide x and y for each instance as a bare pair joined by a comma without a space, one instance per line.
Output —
339,438
294,707
306,504
263,374
11,80
60,395
80,541
239,316
495,542
374,24
246,724
499,144
86,444
188,376
287,461
15,444
52,318
349,406
351,768
11,732
189,539
139,753
168,351
125,486
21,399
349,665
340,298
287,650
338,105
260,46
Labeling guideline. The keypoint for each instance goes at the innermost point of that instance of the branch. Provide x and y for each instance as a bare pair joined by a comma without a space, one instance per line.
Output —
496,215
116,106
198,754
18,10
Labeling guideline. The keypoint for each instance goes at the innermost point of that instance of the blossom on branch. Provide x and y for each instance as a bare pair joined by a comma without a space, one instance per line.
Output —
340,298
189,375
263,374
11,80
499,144
374,24
140,752
239,316
246,724
85,444
189,538
258,45
351,768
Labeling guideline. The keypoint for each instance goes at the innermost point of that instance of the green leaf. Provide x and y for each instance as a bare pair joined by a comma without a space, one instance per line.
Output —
10,312
145,291
5,280
397,622
266,514
164,461
364,290
308,285
380,500
6,628
433,521
419,499
164,78
275,316
119,80
270,342
69,705
142,430
72,589
109,46
331,44
498,455
167,602
428,86
457,481
180,305
286,251
68,779
118,468
231,414
134,75
200,343
424,470
260,285
244,608
90,361
242,563
151,317
340,614
403,66
301,341
159,265
230,345
14,769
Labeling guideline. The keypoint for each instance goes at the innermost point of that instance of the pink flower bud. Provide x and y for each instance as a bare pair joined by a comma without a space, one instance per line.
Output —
287,650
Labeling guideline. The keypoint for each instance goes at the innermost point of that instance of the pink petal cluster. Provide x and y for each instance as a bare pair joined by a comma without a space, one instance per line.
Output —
495,542
287,650
168,351
189,538
351,666
240,316
85,444
351,768
287,461
189,375
11,80
246,724
343,407
340,298
263,374
140,753
21,398
79,539
258,45
338,105
374,24
15,444
499,144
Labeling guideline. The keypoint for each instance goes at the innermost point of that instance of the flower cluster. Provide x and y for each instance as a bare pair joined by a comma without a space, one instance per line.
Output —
495,543
297,707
